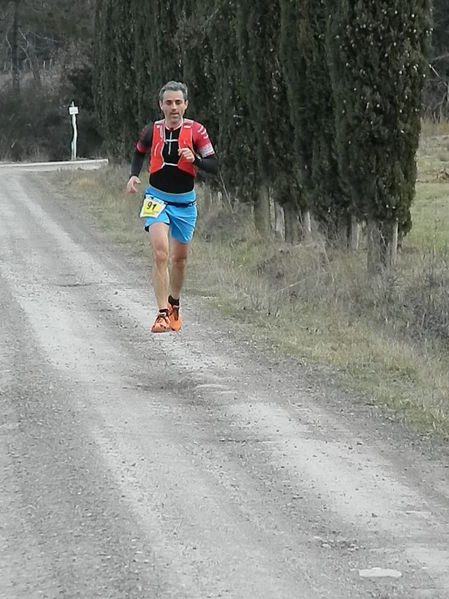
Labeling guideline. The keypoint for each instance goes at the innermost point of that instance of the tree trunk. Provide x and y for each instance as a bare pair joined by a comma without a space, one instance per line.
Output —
291,223
392,245
376,249
382,246
307,224
262,218
279,225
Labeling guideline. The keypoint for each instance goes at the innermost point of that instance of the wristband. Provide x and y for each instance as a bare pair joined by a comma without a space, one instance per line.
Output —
198,161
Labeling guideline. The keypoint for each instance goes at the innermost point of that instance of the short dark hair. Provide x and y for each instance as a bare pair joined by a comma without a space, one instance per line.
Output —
173,86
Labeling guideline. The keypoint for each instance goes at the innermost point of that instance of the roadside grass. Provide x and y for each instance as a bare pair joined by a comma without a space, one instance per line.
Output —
102,198
379,340
430,128
430,211
385,338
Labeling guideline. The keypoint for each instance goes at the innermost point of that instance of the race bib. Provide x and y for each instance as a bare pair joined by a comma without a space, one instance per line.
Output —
151,207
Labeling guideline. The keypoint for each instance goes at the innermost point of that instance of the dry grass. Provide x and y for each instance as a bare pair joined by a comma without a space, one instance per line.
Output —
430,212
434,128
385,338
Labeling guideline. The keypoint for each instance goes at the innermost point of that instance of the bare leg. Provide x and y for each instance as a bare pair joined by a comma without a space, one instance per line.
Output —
179,253
159,243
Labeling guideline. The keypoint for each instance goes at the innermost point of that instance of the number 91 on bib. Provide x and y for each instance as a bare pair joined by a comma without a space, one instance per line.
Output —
151,207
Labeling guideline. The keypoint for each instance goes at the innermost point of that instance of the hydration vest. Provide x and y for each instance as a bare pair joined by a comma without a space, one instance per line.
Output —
185,140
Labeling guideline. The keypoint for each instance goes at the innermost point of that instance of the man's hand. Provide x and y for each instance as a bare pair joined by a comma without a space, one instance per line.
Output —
187,154
131,186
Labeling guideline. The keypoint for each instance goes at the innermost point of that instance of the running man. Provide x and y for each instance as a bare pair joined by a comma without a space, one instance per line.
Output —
178,147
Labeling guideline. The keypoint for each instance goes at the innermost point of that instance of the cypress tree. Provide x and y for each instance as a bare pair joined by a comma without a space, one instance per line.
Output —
166,52
123,83
292,47
235,134
264,92
104,67
377,62
124,91
148,78
156,54
311,105
196,58
195,55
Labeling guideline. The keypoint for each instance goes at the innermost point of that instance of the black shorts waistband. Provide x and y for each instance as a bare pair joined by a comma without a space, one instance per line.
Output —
180,204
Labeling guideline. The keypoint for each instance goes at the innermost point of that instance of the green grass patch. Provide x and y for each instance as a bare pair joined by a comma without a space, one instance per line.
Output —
430,216
430,211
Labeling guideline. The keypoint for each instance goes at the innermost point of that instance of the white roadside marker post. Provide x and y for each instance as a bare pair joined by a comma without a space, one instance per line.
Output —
73,111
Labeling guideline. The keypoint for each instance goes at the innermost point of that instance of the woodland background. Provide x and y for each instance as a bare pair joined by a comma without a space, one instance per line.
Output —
314,107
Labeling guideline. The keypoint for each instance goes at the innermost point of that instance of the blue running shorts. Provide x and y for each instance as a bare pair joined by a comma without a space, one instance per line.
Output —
180,219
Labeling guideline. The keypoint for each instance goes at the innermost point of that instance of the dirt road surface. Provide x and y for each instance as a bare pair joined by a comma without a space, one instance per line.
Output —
185,466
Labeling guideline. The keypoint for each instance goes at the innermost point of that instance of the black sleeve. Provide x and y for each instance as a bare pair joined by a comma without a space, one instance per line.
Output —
143,146
208,164
137,163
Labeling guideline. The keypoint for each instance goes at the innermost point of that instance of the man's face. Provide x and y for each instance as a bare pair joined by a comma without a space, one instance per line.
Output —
173,106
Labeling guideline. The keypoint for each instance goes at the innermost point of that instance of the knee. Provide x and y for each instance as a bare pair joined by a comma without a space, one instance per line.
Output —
179,261
160,256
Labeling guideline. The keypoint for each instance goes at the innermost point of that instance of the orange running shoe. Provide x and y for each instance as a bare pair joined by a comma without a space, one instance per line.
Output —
174,316
161,324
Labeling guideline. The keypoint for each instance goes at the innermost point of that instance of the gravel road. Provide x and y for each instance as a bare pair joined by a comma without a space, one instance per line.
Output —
189,466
